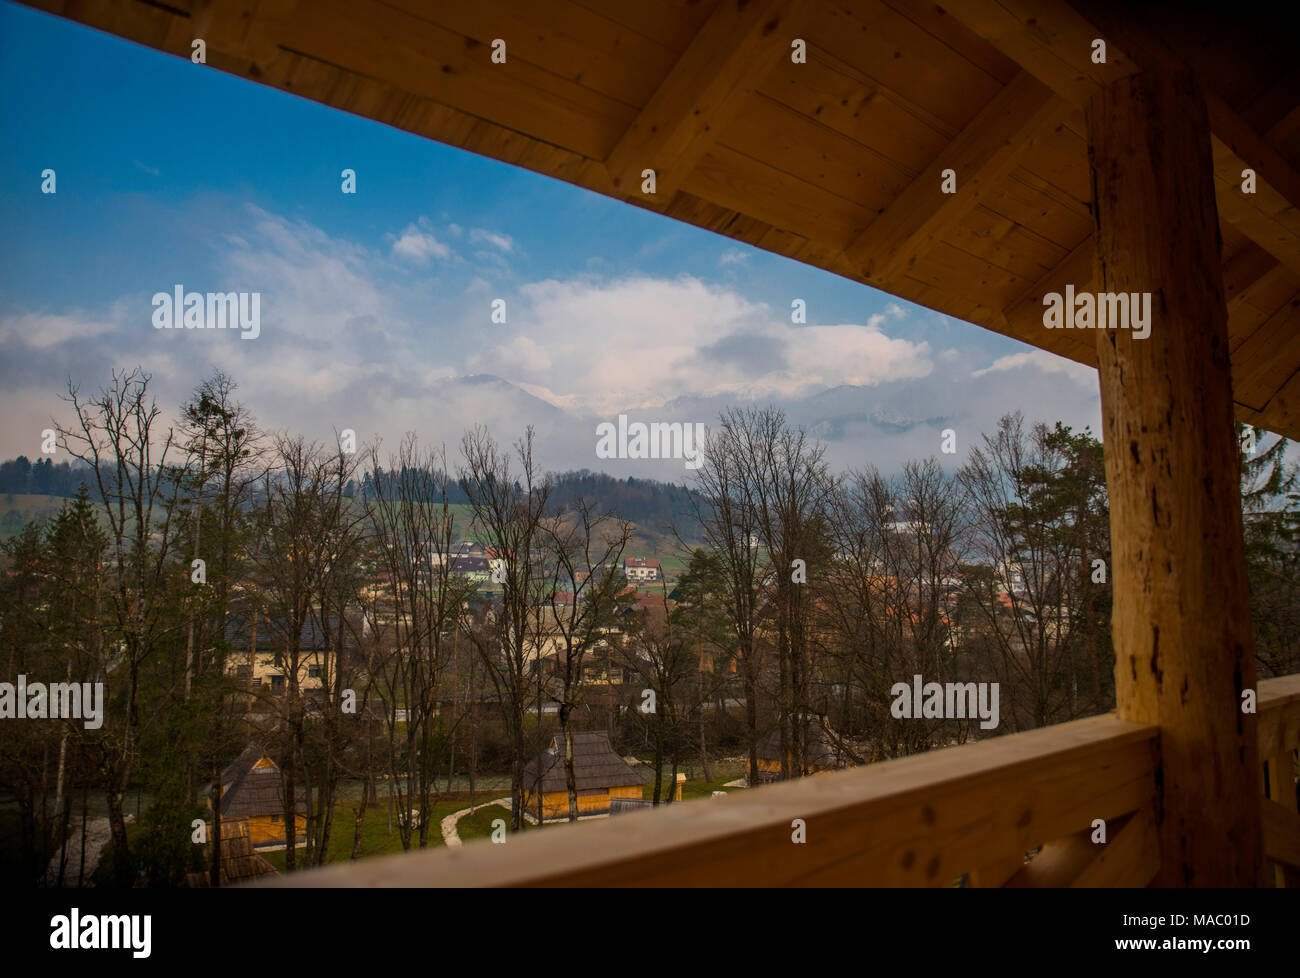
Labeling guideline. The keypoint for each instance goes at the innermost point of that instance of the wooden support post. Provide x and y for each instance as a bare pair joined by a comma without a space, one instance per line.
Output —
1181,621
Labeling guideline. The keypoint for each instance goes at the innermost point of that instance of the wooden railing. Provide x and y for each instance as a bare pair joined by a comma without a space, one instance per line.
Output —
1279,738
963,814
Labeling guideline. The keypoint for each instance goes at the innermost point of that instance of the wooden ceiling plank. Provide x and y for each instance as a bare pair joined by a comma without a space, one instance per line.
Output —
1053,41
671,23
1001,241
1024,314
855,108
894,53
1268,216
725,62
984,152
791,142
427,60
748,186
933,19
1269,355
1283,408
562,37
1242,271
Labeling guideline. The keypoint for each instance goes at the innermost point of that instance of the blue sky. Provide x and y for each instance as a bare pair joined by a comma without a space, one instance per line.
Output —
375,306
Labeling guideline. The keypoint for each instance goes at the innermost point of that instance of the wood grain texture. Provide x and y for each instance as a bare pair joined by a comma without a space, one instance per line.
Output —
1181,619
917,821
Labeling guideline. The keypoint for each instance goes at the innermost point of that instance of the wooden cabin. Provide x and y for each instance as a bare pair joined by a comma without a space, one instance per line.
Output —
252,791
824,750
600,773
1088,145
239,863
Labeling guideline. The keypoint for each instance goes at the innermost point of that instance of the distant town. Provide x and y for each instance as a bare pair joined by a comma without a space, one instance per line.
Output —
312,655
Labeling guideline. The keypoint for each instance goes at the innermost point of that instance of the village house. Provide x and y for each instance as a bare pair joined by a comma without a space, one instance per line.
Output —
600,773
825,751
260,664
252,791
238,860
1162,166
642,569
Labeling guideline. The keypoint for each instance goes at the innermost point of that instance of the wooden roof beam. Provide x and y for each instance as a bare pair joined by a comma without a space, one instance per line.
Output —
723,65
1249,266
1049,39
1271,215
1054,42
984,152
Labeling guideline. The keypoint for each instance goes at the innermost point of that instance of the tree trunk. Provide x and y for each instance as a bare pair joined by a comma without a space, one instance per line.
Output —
570,776
751,719
214,871
358,816
290,814
123,876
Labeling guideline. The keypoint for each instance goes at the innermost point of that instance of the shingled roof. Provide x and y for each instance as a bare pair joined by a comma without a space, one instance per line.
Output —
251,786
238,860
595,765
823,745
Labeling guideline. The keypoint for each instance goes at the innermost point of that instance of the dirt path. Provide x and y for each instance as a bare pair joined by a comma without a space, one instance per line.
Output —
450,836
97,836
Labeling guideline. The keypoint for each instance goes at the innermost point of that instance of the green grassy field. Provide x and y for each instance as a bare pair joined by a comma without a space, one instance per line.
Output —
18,509
375,840
478,825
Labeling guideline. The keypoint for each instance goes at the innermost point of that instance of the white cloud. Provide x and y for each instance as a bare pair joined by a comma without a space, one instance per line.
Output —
349,340
419,246
1043,361
501,241
37,331
608,345
733,256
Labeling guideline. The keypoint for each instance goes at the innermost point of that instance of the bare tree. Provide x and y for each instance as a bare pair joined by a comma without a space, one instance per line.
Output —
785,479
118,435
413,529
306,526
662,657
898,548
222,449
584,549
730,526
509,507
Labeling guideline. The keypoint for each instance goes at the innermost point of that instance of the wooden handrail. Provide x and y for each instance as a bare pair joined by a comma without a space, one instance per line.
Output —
1279,715
1279,737
929,819
921,820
